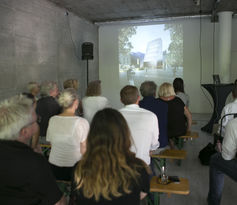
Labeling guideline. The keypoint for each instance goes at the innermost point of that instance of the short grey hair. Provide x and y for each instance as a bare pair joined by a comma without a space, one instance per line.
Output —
148,88
47,87
32,85
15,113
67,98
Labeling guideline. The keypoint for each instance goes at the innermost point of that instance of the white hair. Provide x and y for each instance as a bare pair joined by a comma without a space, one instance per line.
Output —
15,113
67,98
47,87
32,85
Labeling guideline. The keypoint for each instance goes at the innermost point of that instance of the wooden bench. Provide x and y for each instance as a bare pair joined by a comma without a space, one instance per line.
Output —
45,148
160,159
181,187
190,135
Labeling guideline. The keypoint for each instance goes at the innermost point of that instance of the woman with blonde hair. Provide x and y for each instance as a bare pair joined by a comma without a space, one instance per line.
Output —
74,83
93,101
109,173
67,134
179,116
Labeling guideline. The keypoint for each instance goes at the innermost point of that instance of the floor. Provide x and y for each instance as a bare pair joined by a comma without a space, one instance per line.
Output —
197,174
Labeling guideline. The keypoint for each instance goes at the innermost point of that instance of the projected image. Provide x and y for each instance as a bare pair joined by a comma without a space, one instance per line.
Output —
153,52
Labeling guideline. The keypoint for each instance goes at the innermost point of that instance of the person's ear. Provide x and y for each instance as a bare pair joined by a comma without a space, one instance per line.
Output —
24,131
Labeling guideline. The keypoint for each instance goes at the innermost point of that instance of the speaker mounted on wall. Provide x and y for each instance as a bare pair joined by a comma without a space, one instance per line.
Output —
87,51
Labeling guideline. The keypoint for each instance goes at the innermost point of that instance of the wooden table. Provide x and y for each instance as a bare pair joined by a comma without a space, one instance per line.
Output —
171,154
168,154
172,188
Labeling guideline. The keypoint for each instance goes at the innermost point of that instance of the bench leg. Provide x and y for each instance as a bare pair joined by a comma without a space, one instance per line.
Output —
156,198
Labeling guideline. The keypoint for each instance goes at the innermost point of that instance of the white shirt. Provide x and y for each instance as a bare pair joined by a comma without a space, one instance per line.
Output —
65,133
144,128
93,104
229,144
229,108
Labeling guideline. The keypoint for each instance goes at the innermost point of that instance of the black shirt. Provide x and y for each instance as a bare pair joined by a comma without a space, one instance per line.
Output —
25,176
133,198
177,125
160,108
46,108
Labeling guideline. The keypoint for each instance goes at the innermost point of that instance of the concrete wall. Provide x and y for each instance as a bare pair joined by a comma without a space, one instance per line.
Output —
39,42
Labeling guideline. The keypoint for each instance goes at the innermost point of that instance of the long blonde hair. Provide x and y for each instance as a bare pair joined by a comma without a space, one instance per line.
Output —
108,167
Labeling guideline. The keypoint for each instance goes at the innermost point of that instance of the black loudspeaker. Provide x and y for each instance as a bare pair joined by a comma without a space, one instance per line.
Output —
87,51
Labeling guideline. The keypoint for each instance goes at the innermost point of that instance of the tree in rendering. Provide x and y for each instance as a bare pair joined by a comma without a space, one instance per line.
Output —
174,56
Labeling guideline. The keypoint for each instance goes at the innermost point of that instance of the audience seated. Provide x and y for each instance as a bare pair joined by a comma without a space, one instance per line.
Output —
34,89
25,176
158,107
109,173
47,107
179,117
229,108
67,134
142,123
93,101
73,83
178,85
224,163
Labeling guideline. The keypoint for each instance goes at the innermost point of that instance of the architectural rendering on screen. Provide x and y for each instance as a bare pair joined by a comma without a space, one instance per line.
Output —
151,52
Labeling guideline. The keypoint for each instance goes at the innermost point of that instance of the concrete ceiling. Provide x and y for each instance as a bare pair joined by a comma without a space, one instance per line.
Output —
98,11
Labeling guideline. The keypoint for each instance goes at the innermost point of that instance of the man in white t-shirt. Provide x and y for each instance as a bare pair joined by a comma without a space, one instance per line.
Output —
142,124
224,163
228,109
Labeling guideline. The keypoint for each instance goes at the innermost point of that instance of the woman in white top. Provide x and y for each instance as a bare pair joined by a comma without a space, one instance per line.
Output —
93,102
67,134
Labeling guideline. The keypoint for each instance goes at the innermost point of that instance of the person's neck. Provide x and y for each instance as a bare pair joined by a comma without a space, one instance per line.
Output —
68,112
168,98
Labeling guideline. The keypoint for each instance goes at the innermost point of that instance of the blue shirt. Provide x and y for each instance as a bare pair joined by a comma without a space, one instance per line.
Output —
160,109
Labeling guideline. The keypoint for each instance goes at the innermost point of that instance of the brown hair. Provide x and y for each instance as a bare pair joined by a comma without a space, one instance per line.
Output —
71,83
108,167
94,88
234,91
129,94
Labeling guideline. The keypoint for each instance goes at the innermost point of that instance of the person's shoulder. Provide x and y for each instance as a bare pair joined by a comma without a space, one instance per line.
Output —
81,120
147,112
178,100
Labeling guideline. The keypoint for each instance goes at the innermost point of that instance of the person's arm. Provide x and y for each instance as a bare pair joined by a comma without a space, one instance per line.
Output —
155,135
83,147
188,115
229,144
35,139
62,201
142,195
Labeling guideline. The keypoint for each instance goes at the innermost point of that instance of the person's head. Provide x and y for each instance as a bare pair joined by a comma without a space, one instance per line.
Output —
33,88
94,88
107,156
49,88
234,91
148,88
17,119
129,95
235,82
71,83
178,85
68,98
166,90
